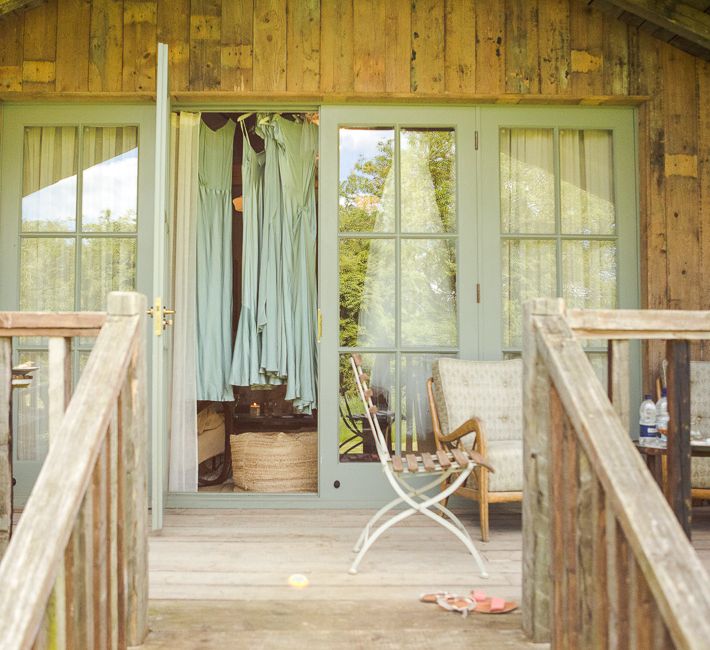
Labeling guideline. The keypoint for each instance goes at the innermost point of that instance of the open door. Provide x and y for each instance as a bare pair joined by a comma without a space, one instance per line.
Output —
161,289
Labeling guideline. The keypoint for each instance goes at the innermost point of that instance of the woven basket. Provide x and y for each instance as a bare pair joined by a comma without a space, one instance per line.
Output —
273,461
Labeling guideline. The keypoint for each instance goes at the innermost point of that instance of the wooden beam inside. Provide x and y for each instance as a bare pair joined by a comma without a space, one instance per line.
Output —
6,6
683,19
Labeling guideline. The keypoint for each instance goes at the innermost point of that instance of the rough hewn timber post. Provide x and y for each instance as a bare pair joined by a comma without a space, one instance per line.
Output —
135,446
5,443
536,488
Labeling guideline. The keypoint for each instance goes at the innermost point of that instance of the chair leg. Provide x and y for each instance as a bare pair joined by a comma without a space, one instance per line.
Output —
483,502
444,485
368,527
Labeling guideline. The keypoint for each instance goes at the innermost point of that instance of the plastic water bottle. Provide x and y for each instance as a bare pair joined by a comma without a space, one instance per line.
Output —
662,416
647,419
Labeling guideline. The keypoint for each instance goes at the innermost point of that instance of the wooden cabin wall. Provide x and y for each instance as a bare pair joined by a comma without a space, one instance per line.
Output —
560,50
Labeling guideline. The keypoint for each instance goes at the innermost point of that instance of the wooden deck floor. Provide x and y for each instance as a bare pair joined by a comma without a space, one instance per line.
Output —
220,579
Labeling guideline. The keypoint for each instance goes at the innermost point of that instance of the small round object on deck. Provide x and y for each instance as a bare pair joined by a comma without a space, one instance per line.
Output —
298,581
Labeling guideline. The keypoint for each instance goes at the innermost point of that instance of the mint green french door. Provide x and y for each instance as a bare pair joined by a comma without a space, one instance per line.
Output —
558,217
75,223
436,224
397,234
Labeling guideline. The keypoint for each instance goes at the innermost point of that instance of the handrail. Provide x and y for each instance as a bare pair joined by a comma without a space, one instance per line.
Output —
616,563
639,324
65,324
85,522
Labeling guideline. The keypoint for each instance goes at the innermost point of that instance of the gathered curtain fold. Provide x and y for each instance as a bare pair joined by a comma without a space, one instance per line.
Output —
50,155
283,226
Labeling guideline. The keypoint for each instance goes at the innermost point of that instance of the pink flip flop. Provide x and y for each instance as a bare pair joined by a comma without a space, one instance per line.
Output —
487,605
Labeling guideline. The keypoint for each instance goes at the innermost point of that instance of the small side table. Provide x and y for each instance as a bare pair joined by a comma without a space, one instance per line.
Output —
655,461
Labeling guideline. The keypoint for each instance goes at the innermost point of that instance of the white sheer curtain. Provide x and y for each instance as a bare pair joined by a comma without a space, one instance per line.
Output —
183,408
428,308
588,265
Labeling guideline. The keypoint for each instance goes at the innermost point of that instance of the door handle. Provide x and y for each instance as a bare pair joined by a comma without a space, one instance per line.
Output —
157,312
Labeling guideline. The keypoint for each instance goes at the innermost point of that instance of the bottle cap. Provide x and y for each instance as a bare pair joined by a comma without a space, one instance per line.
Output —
647,396
664,392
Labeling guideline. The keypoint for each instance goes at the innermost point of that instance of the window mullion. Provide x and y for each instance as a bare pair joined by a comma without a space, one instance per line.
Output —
79,220
558,209
398,288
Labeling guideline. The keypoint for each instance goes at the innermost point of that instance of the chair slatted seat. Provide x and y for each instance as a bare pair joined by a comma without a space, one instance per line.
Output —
455,459
451,468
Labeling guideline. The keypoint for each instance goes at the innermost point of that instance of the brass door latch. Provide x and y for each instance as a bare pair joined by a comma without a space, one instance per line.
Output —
158,313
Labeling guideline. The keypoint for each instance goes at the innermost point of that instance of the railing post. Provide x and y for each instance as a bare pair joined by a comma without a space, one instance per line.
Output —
5,443
536,468
60,389
678,355
134,421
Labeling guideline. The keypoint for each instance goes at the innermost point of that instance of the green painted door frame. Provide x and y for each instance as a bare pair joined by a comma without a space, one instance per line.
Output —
16,118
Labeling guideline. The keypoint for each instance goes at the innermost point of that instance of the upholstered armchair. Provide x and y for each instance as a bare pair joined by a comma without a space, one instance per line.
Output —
479,405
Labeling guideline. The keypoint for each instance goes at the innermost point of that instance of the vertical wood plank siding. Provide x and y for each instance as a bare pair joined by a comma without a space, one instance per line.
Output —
558,48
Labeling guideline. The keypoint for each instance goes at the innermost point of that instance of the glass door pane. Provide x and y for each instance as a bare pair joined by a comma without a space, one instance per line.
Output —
397,275
564,226
70,271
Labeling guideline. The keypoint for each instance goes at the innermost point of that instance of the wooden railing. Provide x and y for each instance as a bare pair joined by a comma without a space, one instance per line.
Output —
606,563
74,574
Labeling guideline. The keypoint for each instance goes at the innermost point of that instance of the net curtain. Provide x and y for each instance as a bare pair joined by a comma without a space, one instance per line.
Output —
182,474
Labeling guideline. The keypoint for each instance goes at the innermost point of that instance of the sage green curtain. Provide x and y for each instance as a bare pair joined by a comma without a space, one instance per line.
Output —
246,369
270,308
214,263
298,145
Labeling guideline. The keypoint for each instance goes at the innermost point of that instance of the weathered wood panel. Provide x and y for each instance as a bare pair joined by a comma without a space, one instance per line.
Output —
205,44
398,47
303,45
174,29
428,46
369,44
270,45
460,46
490,48
139,44
522,31
72,65
105,46
336,72
237,42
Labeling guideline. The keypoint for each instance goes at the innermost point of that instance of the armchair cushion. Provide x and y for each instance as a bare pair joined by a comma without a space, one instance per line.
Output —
700,419
490,390
506,457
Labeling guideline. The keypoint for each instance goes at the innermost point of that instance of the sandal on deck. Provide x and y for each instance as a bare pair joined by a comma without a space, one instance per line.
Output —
461,604
434,597
495,606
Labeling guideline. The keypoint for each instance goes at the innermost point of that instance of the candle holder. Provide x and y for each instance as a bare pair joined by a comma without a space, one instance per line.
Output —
255,409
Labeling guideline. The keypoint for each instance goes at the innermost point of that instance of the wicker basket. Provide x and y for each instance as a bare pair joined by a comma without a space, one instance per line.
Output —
273,461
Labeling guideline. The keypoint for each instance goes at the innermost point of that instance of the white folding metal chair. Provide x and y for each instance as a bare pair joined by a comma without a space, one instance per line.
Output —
455,465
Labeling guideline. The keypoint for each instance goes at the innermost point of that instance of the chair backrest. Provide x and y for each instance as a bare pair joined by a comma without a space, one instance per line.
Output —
490,390
362,380
700,396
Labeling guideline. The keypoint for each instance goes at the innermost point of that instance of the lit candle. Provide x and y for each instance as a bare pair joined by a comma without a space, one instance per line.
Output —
254,409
